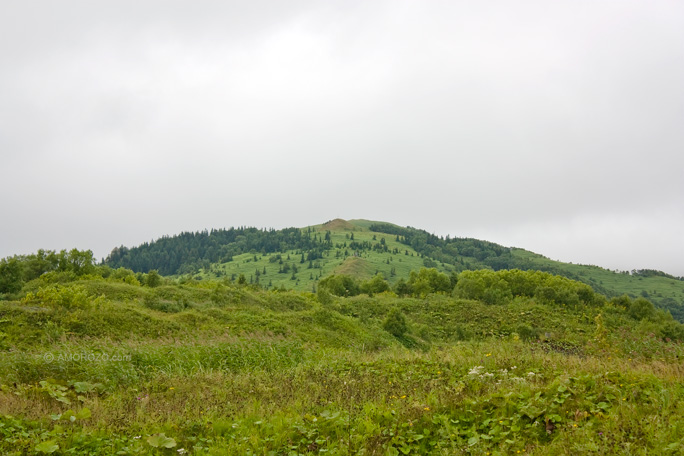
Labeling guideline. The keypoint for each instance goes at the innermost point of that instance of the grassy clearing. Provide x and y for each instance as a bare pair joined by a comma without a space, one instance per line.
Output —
363,264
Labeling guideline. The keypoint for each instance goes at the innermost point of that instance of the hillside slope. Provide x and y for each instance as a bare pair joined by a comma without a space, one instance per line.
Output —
295,258
102,365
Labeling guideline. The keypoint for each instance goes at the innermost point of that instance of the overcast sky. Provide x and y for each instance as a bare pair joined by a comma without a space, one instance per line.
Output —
555,126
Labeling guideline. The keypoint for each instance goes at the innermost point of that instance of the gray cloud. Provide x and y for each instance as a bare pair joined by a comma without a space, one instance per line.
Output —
553,126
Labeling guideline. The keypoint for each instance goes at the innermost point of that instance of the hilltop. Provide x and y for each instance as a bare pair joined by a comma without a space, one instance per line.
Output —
298,258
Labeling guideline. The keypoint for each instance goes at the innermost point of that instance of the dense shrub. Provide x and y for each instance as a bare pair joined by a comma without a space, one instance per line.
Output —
340,285
498,287
62,297
395,323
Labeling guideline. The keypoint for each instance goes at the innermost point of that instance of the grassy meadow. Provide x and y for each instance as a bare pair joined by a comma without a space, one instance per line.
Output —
94,365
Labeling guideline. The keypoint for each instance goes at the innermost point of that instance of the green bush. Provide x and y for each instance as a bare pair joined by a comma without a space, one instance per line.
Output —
395,323
641,309
68,297
672,330
340,285
375,285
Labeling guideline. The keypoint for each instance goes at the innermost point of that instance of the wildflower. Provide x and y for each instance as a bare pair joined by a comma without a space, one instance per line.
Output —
404,396
181,450
489,354
426,408
171,388
574,425
476,370
500,422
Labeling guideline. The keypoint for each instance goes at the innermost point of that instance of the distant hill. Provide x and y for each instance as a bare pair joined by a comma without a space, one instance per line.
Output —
297,258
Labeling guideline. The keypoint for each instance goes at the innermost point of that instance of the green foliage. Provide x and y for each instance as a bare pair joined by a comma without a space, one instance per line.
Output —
375,285
324,296
153,279
641,309
340,285
497,287
154,302
47,447
63,297
428,280
672,330
161,441
11,274
526,332
395,323
516,362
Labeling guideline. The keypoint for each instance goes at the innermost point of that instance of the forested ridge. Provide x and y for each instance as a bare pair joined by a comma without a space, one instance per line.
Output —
189,251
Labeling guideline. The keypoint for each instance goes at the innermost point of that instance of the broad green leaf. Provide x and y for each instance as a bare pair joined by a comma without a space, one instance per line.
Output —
83,387
83,414
49,446
64,400
161,441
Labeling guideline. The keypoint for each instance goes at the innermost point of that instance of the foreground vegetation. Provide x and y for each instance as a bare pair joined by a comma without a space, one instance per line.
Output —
103,361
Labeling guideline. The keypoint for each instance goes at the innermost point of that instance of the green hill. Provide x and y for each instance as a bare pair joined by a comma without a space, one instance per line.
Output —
298,258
